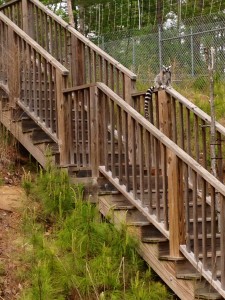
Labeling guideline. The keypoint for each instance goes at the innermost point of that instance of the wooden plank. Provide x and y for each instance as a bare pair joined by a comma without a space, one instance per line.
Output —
165,124
176,205
222,240
192,107
61,119
163,139
185,289
25,16
34,44
95,142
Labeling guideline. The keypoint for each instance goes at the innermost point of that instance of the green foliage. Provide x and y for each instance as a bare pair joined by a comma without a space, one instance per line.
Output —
52,188
79,256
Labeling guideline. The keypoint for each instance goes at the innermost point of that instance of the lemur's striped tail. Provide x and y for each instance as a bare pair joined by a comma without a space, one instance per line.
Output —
148,98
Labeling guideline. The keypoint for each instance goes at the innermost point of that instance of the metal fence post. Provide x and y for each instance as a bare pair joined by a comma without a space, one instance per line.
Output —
192,54
133,55
160,45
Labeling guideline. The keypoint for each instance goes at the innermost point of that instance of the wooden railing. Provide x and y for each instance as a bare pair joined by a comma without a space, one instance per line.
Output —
34,79
87,62
159,166
155,177
187,125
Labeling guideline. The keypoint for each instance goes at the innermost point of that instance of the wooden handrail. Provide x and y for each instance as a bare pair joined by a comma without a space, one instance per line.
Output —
199,112
82,38
164,139
33,44
8,4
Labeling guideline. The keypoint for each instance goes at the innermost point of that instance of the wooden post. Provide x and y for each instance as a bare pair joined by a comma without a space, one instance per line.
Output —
25,15
165,124
27,18
176,205
64,120
128,89
95,143
13,68
78,61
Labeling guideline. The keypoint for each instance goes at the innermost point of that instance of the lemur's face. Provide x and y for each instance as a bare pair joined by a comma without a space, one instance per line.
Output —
166,69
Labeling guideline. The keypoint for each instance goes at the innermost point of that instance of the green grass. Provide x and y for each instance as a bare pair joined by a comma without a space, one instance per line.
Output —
72,253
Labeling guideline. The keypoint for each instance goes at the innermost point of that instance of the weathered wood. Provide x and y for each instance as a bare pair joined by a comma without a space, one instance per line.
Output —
165,113
13,72
163,139
176,205
33,44
62,128
95,139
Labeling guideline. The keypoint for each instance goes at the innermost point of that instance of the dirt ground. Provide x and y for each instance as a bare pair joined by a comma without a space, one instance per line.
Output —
11,198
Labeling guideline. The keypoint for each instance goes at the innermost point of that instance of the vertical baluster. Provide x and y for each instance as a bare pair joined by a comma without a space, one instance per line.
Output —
41,28
88,96
40,87
94,66
30,77
174,120
120,144
112,138
204,222
45,87
196,132
117,81
165,187
157,110
148,155
101,69
187,207
204,146
213,232
157,171
76,125
176,204
222,239
82,125
55,41
34,82
106,71
24,52
126,149
46,32
51,97
195,216
219,161
111,77
106,120
133,157
188,132
181,126
140,149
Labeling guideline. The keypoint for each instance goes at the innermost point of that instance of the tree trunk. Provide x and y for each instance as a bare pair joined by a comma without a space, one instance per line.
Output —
70,13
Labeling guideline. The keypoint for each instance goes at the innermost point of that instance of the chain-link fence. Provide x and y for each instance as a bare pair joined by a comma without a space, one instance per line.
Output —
182,48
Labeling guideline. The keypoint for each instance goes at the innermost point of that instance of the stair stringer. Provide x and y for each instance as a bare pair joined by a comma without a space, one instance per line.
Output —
15,128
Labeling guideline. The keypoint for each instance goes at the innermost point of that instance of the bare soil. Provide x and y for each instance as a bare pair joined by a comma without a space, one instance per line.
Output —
10,218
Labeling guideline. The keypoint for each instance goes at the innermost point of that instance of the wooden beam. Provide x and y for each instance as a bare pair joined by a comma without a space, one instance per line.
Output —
63,126
176,205
165,124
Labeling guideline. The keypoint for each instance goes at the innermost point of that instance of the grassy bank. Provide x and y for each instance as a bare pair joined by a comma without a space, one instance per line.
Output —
72,253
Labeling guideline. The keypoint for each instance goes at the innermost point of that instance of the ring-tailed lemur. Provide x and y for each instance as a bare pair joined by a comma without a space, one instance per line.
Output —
162,80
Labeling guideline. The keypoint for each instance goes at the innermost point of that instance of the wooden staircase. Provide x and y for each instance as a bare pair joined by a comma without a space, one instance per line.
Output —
68,102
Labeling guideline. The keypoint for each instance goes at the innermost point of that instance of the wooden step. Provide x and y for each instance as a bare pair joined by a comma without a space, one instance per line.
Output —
39,137
150,234
205,291
185,270
28,125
